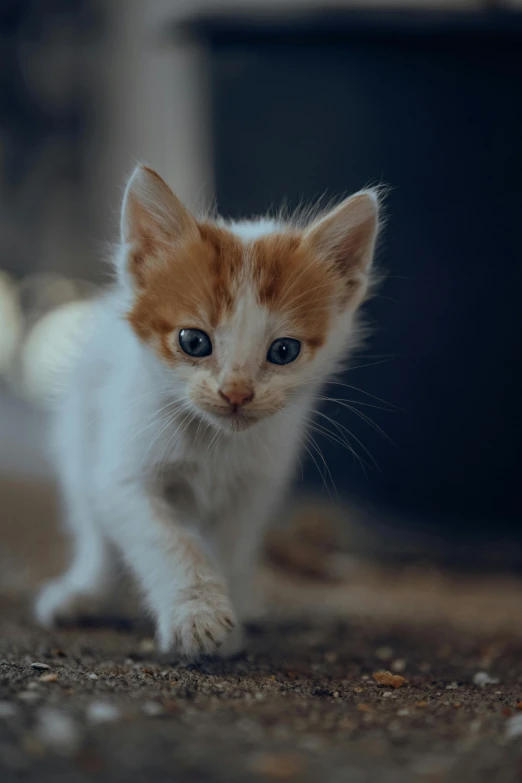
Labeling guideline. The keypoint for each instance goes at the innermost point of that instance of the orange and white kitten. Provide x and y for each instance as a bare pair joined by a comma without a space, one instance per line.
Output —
200,375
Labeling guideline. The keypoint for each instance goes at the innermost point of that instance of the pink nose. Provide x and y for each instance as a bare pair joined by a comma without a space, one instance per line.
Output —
237,396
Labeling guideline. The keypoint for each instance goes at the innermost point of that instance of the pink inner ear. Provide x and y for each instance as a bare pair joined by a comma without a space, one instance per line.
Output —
152,214
346,236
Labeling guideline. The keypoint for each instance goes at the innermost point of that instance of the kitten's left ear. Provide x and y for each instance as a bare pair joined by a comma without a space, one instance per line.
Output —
345,238
152,217
151,212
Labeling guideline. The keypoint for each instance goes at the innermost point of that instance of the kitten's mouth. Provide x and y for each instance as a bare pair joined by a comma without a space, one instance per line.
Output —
235,420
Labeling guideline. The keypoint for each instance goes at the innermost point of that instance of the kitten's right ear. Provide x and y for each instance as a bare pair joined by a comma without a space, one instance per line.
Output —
152,218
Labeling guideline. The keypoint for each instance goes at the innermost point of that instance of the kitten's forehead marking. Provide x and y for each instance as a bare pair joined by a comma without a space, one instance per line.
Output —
247,272
242,334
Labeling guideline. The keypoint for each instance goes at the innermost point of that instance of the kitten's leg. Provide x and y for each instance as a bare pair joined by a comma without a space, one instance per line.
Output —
181,585
88,578
239,545
80,589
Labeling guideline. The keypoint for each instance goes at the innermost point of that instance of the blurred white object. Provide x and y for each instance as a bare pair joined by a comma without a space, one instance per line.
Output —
43,318
102,712
58,731
11,321
50,349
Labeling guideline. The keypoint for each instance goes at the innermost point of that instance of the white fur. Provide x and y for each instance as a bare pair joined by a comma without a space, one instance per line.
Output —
149,472
247,230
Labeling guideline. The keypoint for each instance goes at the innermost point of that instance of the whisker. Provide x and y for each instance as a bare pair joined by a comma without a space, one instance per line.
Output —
160,392
326,468
356,439
173,434
360,414
149,422
340,439
209,447
361,391
313,460
162,429
384,360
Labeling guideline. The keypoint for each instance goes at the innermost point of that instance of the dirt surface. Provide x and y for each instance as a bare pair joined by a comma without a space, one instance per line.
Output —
301,705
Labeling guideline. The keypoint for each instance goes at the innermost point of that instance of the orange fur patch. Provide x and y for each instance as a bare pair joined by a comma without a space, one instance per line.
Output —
292,282
195,284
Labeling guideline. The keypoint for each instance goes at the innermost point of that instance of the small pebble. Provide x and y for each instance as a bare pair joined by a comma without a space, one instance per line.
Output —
51,677
152,709
102,712
452,686
92,676
41,667
483,678
389,679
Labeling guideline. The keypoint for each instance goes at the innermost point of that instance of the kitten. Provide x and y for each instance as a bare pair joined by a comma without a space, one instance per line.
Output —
199,375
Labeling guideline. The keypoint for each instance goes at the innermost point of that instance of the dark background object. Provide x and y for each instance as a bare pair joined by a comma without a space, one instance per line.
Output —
430,105
46,114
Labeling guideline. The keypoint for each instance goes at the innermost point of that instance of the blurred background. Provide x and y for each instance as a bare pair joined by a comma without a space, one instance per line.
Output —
254,104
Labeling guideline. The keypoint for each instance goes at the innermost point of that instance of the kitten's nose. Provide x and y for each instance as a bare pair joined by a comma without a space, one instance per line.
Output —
236,396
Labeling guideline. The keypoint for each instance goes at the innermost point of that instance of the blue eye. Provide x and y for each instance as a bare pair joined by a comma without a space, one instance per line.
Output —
195,343
283,351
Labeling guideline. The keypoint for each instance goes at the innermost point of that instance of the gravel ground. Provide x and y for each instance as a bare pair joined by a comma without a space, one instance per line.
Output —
302,704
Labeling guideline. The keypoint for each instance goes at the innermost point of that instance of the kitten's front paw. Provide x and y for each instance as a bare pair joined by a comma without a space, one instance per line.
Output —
199,624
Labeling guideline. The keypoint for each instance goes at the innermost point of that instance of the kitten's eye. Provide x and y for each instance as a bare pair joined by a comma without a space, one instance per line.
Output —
195,343
283,351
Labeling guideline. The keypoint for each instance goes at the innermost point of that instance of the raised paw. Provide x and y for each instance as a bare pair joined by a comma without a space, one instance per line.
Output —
199,624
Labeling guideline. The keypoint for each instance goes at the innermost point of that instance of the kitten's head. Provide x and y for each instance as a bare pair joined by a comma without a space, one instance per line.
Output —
243,319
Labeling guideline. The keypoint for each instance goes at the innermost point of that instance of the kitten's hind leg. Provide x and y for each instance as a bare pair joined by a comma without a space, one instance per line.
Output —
81,588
